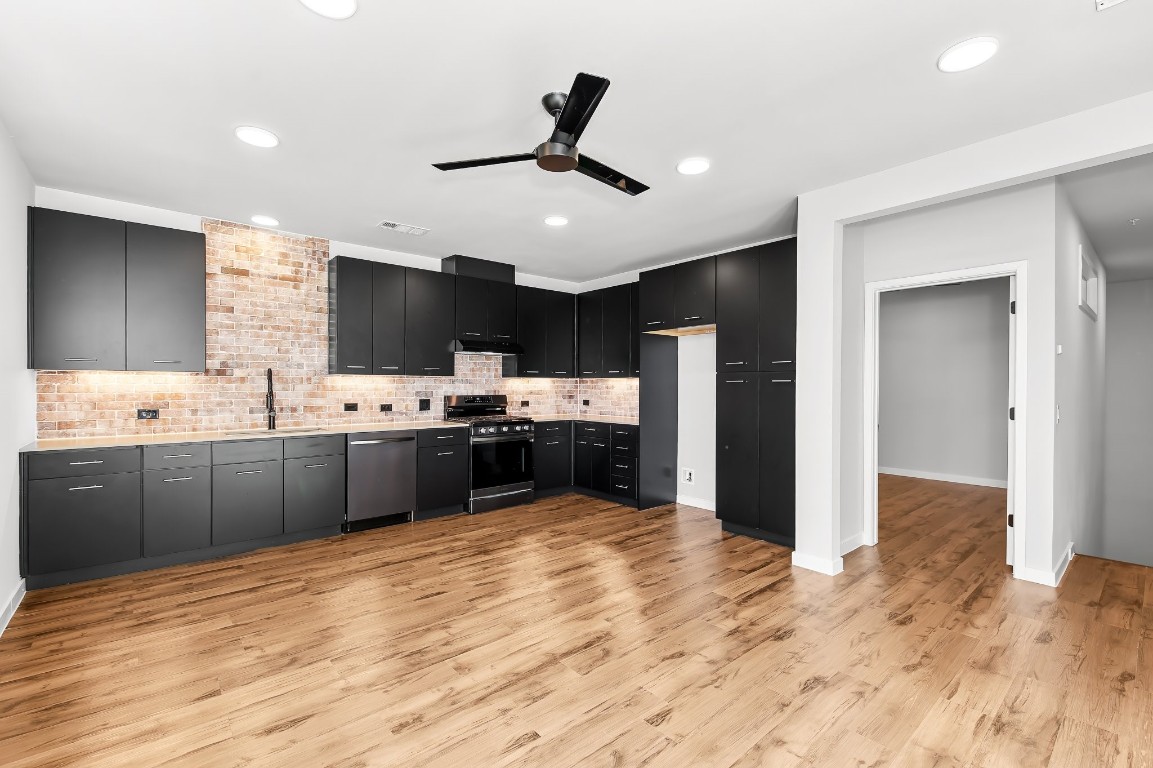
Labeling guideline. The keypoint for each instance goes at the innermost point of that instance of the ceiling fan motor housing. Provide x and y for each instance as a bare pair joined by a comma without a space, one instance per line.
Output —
556,157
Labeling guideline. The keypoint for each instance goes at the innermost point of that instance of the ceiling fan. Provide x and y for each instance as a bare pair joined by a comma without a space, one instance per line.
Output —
571,113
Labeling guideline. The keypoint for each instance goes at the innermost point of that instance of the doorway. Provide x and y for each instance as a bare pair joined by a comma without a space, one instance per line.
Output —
1013,387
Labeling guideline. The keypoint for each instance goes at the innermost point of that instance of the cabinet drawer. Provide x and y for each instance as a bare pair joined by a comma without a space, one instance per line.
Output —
101,461
623,486
624,432
313,445
177,513
427,438
173,456
247,501
247,450
624,466
78,523
624,449
592,429
552,429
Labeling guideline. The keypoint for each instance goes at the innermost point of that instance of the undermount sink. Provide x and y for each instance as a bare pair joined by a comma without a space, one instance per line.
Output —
280,431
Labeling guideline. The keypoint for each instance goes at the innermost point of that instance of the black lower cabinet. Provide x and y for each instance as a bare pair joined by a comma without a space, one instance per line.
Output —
177,510
313,493
441,477
247,501
778,484
738,438
77,522
582,467
552,455
601,466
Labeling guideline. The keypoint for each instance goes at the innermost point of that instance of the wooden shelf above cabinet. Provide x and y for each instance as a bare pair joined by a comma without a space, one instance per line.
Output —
696,330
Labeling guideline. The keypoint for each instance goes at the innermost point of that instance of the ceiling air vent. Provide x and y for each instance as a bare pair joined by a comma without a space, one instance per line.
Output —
1103,4
406,229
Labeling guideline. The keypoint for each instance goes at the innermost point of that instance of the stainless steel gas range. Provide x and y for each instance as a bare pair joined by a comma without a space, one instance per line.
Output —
500,450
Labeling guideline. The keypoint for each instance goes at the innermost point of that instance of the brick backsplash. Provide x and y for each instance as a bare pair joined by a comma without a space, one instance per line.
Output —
268,308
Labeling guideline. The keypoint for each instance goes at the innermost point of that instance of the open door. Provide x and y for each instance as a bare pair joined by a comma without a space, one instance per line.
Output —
1012,418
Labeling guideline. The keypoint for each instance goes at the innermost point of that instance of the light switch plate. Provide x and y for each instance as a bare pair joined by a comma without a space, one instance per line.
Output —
688,476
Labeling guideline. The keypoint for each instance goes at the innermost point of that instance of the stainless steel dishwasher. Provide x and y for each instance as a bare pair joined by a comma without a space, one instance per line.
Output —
381,475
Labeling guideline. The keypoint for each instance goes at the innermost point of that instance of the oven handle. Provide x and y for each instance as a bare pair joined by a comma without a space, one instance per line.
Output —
502,439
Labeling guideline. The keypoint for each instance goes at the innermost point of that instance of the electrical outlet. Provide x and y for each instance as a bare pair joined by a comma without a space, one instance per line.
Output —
386,406
687,476
584,402
352,406
148,413
425,404
524,403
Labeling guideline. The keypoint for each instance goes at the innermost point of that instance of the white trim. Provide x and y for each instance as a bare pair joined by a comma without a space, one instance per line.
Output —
829,567
871,406
10,607
1046,578
851,543
986,482
693,501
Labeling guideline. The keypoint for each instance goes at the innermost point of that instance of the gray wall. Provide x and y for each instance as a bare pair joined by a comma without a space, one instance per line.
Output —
944,382
1125,530
697,419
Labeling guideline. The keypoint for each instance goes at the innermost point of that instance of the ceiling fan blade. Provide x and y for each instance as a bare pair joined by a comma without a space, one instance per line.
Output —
582,101
613,178
484,161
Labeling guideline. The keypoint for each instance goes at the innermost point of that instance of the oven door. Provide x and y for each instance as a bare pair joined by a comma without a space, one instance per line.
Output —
501,462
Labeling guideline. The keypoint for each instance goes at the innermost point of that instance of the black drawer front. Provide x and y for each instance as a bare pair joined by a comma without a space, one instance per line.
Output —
428,438
592,429
81,522
100,461
552,429
624,432
313,445
177,510
620,450
624,466
247,501
243,451
314,493
623,486
173,456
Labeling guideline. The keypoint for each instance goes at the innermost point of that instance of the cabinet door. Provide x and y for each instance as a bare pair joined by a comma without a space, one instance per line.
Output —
552,461
177,512
561,334
471,309
77,273
83,521
441,477
387,319
778,321
635,329
737,441
658,295
589,339
601,465
617,340
165,299
313,493
738,281
696,292
501,312
429,322
582,476
350,315
532,331
247,501
777,455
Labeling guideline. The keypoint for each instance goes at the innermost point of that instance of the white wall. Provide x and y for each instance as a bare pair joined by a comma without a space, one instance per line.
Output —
697,419
1079,467
17,384
943,379
1125,529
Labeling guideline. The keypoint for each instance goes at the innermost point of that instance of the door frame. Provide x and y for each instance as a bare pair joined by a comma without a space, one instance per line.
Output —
1017,271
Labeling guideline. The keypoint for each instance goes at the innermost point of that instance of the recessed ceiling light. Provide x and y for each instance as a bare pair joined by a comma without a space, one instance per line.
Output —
967,54
555,221
1134,221
331,9
265,221
257,137
691,166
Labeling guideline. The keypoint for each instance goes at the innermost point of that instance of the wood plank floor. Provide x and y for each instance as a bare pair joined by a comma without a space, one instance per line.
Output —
576,632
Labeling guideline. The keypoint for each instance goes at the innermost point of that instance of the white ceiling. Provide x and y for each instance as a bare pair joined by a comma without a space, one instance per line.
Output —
1106,198
136,100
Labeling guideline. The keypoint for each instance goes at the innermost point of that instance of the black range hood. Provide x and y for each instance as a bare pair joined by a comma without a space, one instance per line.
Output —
487,347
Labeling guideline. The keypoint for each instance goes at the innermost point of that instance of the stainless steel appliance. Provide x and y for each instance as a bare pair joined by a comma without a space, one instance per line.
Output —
381,476
500,450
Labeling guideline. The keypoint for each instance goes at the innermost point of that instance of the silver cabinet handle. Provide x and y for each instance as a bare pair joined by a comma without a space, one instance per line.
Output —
356,367
598,445
561,373
736,381
622,487
390,367
588,372
555,442
654,322
742,362
82,463
167,362
467,333
432,369
616,371
314,466
179,456
775,362
445,437
446,453
82,359
621,466
552,429
176,479
532,371
694,317
251,472
86,487
782,381
503,337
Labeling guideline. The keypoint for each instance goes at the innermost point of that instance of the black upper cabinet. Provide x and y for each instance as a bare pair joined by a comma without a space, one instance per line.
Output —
738,281
501,312
350,318
471,309
590,349
561,334
635,329
737,449
429,322
166,294
778,321
77,272
387,319
777,460
532,331
615,332
696,292
657,299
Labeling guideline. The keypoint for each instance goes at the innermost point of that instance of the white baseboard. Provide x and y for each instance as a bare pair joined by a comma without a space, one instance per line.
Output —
829,567
1047,578
8,609
692,501
851,543
963,479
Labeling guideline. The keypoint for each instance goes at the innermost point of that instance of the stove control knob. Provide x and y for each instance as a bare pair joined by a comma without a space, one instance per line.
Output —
504,429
